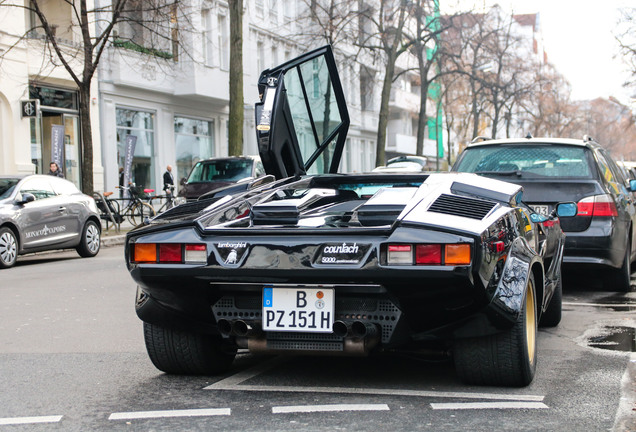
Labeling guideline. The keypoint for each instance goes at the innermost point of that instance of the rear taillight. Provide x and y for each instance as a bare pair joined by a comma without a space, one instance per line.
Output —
169,253
597,205
428,254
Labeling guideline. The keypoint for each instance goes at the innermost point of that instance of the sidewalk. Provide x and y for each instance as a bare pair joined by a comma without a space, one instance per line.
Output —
111,237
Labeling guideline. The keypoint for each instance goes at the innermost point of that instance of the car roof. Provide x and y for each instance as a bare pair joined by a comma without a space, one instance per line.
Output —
215,159
586,141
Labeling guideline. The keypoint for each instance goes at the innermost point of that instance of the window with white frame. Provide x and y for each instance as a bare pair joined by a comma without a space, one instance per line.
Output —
273,11
260,57
260,8
140,124
208,37
224,41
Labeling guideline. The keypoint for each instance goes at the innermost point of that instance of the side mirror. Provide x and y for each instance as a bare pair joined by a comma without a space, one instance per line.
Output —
182,181
26,198
566,209
632,185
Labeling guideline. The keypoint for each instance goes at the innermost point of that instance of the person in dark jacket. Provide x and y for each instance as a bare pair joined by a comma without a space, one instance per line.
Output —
168,181
55,170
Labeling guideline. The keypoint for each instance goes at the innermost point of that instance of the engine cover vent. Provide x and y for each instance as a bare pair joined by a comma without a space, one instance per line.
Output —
461,206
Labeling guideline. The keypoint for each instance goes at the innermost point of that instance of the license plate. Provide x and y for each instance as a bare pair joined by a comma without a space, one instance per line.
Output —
298,309
542,209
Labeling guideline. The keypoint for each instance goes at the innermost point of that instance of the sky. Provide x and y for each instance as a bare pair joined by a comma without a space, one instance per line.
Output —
578,39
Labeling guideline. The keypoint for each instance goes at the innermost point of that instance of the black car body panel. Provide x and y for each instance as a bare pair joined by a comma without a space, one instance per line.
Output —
376,261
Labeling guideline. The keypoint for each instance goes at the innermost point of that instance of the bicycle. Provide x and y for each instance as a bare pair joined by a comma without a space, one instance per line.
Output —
136,210
169,197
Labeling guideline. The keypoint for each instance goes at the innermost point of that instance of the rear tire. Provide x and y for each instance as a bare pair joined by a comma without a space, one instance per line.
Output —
185,353
8,248
91,240
552,315
504,359
620,279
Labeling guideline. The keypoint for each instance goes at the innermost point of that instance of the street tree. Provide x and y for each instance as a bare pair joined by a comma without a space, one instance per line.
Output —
75,34
235,122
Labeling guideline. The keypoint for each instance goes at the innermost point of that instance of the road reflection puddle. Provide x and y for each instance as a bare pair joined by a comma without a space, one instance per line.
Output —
615,338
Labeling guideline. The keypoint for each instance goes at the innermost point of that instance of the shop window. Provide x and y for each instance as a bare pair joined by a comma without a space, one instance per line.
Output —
142,125
194,141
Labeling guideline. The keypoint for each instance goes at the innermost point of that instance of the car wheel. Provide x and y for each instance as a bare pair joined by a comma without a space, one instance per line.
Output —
91,240
8,248
185,353
552,315
620,279
504,359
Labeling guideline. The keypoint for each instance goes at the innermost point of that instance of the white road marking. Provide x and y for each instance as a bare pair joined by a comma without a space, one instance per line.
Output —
488,405
600,304
30,420
376,391
329,408
170,413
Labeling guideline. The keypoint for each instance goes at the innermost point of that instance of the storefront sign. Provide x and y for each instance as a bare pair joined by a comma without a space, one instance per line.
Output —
29,108
131,141
57,144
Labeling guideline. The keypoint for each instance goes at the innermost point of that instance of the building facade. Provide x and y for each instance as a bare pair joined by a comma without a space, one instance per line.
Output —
37,92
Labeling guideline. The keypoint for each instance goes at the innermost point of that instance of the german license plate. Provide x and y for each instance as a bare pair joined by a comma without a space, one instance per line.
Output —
298,309
542,209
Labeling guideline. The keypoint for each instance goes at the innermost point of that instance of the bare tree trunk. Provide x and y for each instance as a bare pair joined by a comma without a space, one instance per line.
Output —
235,126
383,117
87,138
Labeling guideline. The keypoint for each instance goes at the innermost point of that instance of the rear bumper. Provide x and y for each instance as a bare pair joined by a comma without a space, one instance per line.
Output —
602,244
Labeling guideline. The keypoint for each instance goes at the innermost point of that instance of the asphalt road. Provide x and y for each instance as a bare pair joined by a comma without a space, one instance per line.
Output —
72,358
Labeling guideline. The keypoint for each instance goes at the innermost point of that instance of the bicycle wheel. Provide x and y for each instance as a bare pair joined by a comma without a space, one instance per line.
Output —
139,212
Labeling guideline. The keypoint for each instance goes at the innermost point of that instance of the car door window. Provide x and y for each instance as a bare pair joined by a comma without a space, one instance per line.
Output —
40,188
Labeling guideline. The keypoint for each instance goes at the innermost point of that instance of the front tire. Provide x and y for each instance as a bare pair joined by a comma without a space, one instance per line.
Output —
8,248
504,359
91,240
185,353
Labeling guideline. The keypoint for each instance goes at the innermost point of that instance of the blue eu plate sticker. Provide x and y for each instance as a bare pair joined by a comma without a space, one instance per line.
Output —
267,297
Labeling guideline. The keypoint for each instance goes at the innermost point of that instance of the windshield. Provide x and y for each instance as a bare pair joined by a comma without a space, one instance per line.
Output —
530,160
7,185
221,170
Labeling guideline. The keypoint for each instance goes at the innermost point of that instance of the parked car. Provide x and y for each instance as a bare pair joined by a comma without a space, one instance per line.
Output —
211,174
41,212
403,164
552,170
346,264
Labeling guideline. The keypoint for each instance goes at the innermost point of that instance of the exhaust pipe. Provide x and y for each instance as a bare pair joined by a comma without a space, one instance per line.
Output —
243,329
225,327
364,330
340,328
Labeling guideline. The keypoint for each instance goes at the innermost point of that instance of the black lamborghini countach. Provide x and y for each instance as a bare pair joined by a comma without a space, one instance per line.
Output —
306,260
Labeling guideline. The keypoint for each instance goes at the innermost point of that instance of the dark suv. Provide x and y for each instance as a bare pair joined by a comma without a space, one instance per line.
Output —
211,174
555,170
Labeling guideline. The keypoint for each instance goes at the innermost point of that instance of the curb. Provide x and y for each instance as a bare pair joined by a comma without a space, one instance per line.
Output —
114,240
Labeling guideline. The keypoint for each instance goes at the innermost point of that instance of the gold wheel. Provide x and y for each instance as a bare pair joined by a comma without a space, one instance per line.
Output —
531,323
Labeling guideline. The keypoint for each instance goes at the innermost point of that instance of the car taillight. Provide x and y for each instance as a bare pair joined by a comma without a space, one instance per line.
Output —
457,254
400,254
429,254
169,253
196,253
597,205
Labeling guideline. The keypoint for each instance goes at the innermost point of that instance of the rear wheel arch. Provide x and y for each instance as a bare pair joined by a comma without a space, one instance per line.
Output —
539,286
